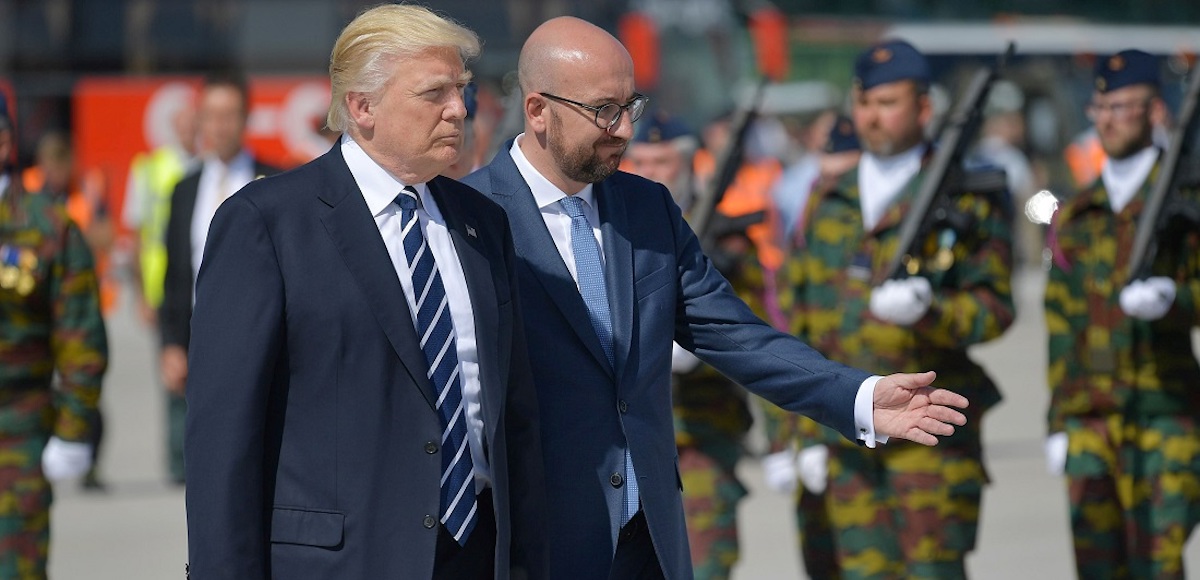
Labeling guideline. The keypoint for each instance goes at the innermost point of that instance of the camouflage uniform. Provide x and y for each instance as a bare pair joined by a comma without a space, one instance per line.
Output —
904,510
49,321
1124,390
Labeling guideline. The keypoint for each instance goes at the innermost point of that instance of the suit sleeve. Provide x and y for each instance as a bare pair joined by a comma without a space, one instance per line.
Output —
527,485
237,340
175,312
713,323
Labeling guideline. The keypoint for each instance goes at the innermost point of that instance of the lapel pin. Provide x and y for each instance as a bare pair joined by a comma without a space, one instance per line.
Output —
471,232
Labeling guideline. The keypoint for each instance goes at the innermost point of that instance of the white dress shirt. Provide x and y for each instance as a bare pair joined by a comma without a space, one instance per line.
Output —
547,195
379,189
1124,177
881,179
218,181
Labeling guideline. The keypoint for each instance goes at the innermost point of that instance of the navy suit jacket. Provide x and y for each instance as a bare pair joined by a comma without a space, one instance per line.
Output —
661,288
313,443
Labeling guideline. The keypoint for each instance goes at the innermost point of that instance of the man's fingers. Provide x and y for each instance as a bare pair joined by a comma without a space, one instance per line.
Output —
914,380
946,415
947,398
918,436
935,427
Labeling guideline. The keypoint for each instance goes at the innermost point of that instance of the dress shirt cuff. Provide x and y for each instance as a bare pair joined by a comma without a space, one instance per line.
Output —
864,413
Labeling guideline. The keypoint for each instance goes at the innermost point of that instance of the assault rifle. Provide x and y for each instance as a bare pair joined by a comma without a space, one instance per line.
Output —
1158,214
945,173
704,219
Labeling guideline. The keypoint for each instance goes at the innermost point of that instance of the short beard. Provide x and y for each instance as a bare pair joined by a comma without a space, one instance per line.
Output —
581,165
1130,147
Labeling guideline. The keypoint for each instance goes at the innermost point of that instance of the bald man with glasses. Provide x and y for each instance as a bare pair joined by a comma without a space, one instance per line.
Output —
610,275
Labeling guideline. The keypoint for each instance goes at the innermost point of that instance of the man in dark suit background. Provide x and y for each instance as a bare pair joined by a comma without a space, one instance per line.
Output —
225,168
610,275
360,399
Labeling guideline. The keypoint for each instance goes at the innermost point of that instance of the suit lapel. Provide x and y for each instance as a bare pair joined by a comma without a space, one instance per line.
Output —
533,243
478,273
354,233
618,268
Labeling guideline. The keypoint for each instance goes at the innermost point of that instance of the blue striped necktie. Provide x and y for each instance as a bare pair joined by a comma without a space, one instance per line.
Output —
436,331
595,296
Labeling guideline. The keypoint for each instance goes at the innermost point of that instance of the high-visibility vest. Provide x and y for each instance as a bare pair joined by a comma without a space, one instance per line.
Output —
157,173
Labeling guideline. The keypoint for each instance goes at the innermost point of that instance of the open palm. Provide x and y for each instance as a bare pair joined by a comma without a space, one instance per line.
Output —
906,406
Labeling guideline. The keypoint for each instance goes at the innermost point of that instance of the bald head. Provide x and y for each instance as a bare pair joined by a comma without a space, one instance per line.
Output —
566,50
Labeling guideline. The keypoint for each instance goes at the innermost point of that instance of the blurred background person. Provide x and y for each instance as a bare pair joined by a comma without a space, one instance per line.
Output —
901,511
225,168
1124,406
709,410
50,324
153,176
796,461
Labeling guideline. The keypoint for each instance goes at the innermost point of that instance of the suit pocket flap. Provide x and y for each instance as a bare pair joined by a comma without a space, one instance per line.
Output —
307,527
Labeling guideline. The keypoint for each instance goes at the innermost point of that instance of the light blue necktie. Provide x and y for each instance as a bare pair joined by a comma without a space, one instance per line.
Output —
436,330
595,296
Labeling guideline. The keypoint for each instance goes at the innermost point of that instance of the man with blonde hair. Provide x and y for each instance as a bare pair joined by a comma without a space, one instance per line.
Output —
360,401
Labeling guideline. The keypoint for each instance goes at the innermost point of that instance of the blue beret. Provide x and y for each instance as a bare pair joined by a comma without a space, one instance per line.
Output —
469,99
1128,67
659,128
888,62
842,137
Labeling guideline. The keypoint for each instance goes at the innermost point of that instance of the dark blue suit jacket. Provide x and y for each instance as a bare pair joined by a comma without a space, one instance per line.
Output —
312,437
661,288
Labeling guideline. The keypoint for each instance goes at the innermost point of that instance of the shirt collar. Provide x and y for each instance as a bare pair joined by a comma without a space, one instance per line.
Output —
240,162
379,188
545,193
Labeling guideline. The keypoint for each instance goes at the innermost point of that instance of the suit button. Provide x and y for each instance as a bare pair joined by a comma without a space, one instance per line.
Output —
431,447
429,522
616,479
622,406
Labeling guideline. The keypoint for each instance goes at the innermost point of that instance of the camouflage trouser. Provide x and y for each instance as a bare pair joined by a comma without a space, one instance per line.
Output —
1134,489
815,534
24,492
904,510
711,492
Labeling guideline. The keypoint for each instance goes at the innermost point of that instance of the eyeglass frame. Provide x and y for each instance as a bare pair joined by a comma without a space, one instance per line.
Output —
637,97
1120,110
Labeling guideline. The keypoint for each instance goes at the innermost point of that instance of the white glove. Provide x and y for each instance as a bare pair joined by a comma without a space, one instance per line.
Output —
779,471
813,465
902,302
1148,299
682,360
1056,453
63,460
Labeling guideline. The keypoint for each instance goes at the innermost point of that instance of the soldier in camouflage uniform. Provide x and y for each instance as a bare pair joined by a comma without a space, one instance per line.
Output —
49,322
1125,384
710,411
902,510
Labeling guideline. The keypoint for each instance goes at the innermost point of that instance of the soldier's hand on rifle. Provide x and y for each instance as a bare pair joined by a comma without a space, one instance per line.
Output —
1148,299
902,302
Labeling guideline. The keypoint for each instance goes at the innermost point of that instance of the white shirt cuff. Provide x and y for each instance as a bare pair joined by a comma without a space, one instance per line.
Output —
864,413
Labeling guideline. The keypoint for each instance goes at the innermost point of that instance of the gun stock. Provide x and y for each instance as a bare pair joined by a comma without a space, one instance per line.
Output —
727,165
960,127
1153,216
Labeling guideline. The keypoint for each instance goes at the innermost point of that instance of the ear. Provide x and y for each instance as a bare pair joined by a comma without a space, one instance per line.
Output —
1158,112
362,110
536,113
925,109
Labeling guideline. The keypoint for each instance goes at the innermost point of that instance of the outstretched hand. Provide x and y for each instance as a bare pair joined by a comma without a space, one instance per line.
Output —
906,406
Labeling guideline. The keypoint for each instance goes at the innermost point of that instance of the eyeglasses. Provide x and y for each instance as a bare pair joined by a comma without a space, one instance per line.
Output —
608,115
1122,110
